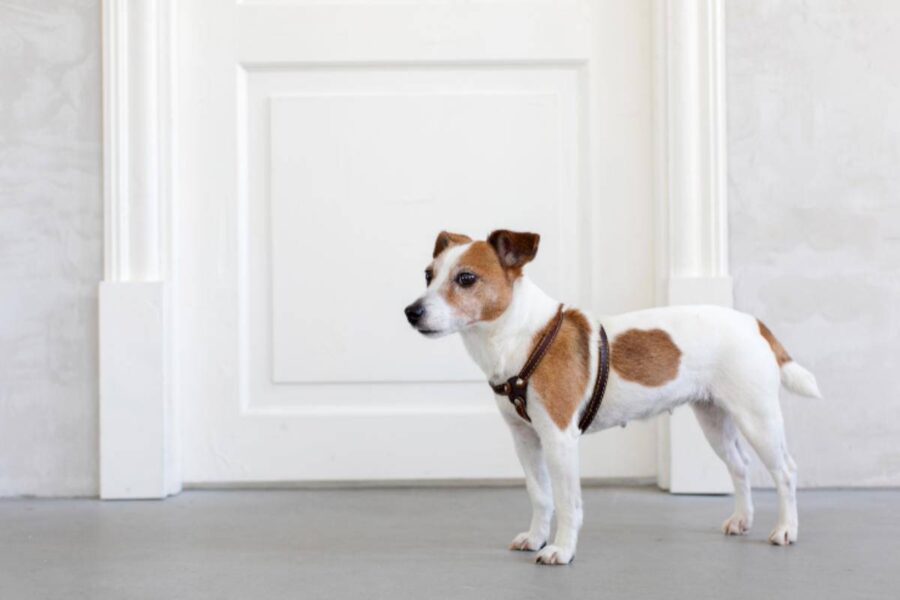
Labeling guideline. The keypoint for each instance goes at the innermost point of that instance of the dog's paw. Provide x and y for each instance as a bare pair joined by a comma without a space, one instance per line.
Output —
554,555
783,535
737,524
527,542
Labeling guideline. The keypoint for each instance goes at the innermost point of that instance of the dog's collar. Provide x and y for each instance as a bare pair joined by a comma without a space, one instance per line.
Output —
516,387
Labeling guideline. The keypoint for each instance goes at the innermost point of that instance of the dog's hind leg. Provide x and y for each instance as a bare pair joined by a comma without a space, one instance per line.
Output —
764,430
722,435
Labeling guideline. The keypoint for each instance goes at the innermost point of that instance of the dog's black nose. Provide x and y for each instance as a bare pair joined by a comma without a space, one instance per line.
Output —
414,312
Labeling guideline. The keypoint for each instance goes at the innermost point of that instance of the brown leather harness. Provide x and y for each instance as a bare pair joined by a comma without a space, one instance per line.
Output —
516,387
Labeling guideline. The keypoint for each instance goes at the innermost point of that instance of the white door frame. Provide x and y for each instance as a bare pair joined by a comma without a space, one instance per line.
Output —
139,449
138,433
691,204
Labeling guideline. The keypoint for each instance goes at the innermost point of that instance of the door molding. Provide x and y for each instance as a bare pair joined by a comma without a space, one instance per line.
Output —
691,204
139,444
138,440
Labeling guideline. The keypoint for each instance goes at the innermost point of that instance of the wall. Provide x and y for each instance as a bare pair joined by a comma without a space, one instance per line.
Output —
814,170
50,245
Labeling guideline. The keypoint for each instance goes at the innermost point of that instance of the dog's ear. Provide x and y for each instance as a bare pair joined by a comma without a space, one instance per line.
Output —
445,239
514,249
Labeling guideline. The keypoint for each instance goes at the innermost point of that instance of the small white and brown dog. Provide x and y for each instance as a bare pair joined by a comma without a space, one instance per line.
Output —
727,365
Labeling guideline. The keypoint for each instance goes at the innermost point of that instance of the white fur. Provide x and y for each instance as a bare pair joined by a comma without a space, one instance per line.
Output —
440,319
799,380
727,372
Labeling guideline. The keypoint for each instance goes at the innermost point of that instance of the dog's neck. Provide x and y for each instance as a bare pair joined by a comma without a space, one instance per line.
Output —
500,347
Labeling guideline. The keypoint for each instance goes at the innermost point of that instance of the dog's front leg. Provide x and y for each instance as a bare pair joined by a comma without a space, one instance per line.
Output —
561,451
537,482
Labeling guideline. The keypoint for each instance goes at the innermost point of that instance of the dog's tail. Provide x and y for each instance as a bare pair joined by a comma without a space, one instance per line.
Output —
793,376
799,380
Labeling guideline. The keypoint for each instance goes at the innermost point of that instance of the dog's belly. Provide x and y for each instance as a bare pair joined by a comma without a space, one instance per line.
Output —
622,405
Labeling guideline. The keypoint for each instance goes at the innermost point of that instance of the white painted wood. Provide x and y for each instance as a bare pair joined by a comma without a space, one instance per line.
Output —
137,136
137,435
691,204
240,422
133,428
701,290
374,33
322,148
493,155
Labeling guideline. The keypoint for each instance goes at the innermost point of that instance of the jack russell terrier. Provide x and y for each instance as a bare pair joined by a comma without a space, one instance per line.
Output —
551,367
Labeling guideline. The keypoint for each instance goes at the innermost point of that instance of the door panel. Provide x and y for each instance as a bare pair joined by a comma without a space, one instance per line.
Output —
323,146
367,177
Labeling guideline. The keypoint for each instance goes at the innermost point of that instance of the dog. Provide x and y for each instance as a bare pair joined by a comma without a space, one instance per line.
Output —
725,364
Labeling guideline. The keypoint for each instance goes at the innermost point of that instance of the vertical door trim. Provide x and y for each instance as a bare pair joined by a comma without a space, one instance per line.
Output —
138,441
691,204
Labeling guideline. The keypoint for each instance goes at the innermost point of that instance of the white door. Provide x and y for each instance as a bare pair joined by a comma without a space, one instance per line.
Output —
322,145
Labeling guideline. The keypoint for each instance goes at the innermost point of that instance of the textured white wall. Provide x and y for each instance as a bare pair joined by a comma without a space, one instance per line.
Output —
814,170
50,245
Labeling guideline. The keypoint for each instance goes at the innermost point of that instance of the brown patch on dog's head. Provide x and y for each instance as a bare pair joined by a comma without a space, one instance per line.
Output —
647,357
485,297
515,249
445,239
474,280
561,378
778,350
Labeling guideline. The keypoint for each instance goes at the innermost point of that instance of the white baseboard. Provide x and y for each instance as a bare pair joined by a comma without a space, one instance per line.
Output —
134,409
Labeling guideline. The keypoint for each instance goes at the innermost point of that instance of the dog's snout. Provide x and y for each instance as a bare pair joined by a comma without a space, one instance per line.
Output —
414,312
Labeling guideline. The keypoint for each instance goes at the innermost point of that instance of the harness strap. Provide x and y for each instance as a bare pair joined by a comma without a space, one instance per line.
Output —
516,387
593,405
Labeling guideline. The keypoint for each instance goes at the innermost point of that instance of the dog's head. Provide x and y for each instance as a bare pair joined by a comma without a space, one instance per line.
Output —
470,282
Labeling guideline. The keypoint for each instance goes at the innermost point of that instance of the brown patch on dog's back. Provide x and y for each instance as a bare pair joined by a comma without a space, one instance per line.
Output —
778,350
561,378
648,357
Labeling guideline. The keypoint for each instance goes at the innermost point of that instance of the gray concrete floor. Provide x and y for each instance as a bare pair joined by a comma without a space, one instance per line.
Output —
439,543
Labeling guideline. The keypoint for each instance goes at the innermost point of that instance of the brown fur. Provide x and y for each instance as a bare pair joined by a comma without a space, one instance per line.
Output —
561,378
491,295
515,249
778,350
445,239
647,357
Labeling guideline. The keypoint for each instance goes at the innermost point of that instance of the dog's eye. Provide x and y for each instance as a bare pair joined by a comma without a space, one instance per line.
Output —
466,279
429,275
